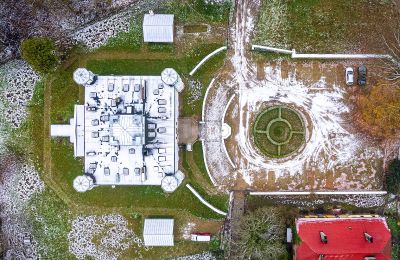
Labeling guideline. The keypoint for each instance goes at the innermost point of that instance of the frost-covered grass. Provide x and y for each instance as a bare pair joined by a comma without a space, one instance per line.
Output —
353,203
130,40
198,10
102,237
322,26
49,217
27,140
272,24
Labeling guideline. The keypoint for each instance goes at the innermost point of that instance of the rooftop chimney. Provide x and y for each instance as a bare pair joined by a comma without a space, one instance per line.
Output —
368,237
324,238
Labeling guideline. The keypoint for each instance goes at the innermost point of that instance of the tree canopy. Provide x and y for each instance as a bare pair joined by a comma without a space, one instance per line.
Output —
261,234
393,177
380,110
40,53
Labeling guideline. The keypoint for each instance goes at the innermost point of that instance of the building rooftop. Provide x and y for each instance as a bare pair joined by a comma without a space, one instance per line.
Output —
343,238
158,28
158,232
126,131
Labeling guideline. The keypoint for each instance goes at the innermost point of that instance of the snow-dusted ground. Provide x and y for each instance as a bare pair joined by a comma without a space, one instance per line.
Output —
102,237
187,230
97,34
17,81
19,183
361,201
332,145
202,256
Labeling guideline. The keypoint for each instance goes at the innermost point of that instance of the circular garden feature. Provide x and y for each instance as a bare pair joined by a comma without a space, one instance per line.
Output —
279,131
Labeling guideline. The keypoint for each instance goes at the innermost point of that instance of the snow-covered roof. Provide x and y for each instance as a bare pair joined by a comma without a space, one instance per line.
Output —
82,183
158,28
126,131
158,232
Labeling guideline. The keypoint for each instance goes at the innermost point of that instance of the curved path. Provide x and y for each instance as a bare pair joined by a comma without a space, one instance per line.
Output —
233,76
202,200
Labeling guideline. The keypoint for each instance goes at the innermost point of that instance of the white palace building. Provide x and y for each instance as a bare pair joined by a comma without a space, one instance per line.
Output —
126,130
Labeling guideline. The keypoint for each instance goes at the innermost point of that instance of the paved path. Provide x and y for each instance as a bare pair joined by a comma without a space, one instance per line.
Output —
237,208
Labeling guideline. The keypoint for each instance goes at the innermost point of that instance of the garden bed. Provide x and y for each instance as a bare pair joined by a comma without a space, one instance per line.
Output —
279,131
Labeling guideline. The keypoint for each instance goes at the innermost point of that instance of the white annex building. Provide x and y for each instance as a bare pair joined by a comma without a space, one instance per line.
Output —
158,28
158,232
126,130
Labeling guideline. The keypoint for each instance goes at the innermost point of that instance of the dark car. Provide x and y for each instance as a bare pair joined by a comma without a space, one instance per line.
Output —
362,75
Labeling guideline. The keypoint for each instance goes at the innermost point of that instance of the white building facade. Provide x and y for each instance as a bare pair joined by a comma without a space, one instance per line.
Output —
126,130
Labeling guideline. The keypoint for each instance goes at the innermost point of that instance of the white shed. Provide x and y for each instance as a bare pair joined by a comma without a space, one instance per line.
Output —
158,232
158,28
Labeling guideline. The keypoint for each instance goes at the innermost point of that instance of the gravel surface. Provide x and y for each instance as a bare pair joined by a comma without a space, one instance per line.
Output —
102,237
18,82
202,256
19,182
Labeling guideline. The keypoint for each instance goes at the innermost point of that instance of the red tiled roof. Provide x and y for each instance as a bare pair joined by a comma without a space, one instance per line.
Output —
346,238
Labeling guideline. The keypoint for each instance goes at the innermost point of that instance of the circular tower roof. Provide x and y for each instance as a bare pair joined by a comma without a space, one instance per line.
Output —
169,184
83,183
169,76
82,76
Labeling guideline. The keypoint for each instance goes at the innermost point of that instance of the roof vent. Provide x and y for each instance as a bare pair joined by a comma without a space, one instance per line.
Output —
368,237
370,258
321,257
324,237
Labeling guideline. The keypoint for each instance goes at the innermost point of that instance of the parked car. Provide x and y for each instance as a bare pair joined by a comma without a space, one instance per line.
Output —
362,75
201,237
349,76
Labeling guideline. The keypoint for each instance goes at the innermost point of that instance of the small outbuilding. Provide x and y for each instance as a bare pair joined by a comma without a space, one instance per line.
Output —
158,232
158,28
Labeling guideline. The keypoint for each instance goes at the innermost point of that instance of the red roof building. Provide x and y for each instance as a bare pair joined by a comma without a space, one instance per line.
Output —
343,238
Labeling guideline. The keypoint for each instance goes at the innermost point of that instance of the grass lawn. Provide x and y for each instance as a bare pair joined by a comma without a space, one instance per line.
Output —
324,26
195,28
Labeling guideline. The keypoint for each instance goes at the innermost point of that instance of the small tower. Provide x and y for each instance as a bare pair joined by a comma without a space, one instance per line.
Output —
169,184
171,78
83,183
83,76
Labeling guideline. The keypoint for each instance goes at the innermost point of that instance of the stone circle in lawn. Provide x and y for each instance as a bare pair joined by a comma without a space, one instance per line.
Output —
279,131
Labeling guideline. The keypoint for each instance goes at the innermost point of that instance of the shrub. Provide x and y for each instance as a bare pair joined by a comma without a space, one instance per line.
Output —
393,177
40,53
380,111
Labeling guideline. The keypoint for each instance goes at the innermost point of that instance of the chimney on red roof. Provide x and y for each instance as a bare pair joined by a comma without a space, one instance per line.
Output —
324,237
368,237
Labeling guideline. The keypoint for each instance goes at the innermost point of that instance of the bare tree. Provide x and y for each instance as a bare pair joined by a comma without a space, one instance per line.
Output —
392,64
261,235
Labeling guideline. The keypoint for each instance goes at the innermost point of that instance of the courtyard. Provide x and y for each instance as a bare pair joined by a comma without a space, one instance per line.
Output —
254,121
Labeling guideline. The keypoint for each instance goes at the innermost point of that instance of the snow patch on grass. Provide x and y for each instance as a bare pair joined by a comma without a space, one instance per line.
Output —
330,143
18,82
102,237
19,182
